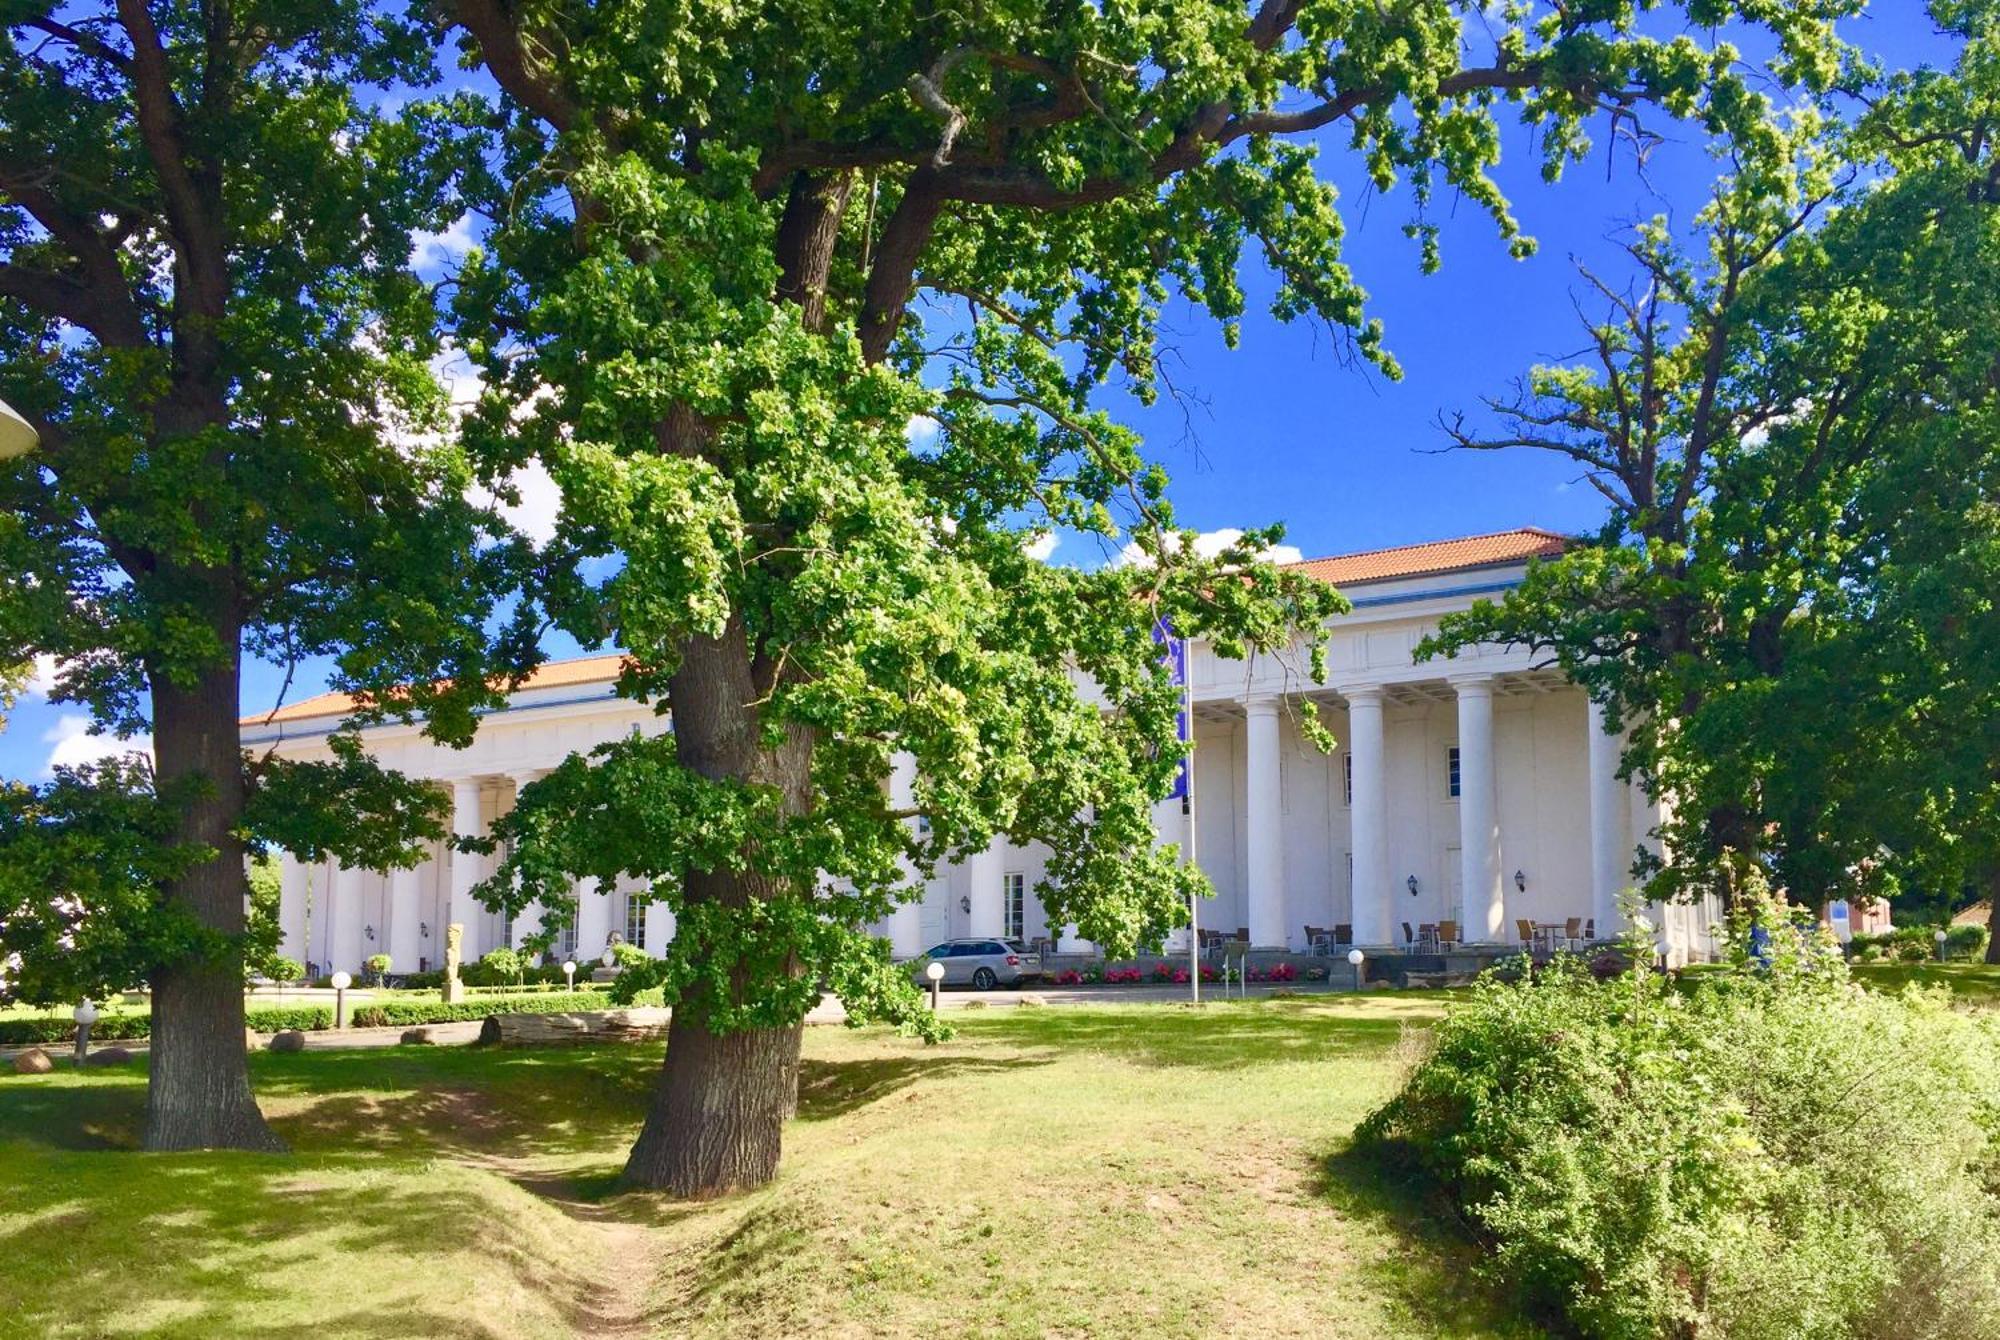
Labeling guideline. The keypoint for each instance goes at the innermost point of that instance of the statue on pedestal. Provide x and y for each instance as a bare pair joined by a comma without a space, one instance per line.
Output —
454,938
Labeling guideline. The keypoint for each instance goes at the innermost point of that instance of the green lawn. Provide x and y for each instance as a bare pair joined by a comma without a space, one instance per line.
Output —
1971,983
1126,1169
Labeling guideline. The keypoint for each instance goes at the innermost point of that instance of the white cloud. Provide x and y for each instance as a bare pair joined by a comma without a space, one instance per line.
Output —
921,431
72,745
1209,543
444,250
541,502
43,681
1042,546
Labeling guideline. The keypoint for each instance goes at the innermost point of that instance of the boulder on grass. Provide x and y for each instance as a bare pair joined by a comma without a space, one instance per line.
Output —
419,1037
111,1056
638,1024
33,1061
288,1040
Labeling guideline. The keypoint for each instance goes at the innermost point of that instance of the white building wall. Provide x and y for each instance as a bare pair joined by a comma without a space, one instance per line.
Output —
1542,791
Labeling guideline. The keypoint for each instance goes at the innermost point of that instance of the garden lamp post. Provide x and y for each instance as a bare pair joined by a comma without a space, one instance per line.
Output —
17,436
1354,961
340,982
936,974
1939,936
569,973
85,1015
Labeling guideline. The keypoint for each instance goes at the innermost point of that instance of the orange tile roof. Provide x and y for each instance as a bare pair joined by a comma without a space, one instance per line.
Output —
551,675
1438,556
1373,565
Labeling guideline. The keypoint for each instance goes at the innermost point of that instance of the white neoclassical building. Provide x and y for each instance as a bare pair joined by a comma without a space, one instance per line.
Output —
1480,790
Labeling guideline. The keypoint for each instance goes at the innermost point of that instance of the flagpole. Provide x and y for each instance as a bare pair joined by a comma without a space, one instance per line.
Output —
1187,809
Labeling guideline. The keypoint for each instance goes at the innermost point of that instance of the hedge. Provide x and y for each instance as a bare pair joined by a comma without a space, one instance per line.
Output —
403,1013
47,1028
121,1027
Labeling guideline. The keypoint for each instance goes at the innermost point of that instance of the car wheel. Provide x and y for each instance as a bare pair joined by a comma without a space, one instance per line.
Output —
984,980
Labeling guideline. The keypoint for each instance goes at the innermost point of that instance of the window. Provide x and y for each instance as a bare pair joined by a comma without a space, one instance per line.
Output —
1347,779
635,919
1014,890
566,942
1451,772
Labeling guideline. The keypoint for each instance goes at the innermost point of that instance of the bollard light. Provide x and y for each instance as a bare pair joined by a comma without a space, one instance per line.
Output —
17,436
1940,936
85,1015
936,973
569,973
1354,960
341,981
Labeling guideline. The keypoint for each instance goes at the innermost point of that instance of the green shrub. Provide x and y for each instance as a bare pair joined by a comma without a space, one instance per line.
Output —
1757,1153
283,969
405,1013
110,1027
497,967
277,1018
378,963
1966,942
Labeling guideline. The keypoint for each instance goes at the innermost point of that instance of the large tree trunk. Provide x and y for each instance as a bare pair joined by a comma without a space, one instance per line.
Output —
198,1095
717,1120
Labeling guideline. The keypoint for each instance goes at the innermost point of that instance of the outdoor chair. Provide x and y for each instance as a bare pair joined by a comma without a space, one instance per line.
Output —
1590,931
1573,933
1447,935
1343,935
1526,930
1235,962
1409,938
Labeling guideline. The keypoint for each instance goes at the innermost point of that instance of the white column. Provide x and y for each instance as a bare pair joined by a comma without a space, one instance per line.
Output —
1478,814
404,946
659,927
345,920
465,871
1369,816
1610,826
593,923
906,923
530,920
292,908
988,916
1264,823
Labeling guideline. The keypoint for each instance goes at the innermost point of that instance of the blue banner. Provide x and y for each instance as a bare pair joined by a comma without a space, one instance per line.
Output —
1174,653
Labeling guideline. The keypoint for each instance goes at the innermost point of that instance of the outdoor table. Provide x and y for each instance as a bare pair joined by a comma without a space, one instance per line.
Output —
1547,932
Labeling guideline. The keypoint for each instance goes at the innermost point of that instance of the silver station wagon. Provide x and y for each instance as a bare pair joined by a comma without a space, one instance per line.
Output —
980,964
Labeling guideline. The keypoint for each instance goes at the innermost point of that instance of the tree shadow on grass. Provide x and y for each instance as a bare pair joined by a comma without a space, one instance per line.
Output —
460,1101
1435,1276
247,1246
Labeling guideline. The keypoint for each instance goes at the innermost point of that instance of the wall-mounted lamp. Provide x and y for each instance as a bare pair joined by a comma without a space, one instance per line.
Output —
424,930
1521,881
1412,882
965,903
368,931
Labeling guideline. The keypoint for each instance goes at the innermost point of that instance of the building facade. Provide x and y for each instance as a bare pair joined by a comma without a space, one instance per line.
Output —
1480,790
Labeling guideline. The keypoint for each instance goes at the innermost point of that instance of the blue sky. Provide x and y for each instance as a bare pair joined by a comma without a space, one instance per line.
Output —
1286,430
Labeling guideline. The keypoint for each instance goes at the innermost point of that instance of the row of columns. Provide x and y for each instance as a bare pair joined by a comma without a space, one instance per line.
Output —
340,912
1616,818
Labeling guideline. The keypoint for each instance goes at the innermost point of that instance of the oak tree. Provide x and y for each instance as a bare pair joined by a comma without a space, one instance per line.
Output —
207,310
738,250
